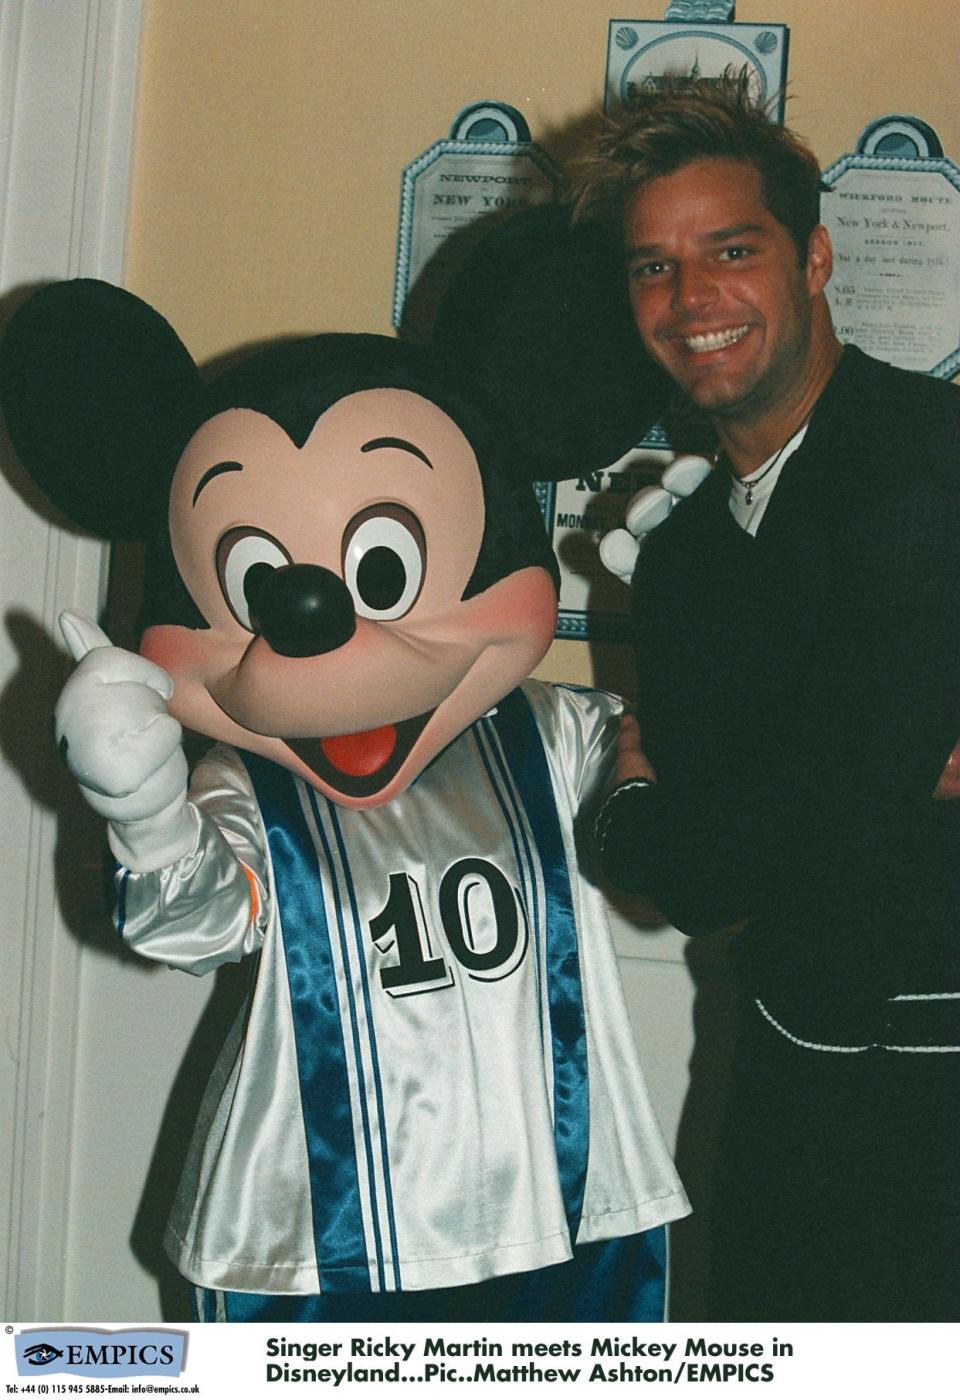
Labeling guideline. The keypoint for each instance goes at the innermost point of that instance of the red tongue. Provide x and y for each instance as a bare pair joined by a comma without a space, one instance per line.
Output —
360,755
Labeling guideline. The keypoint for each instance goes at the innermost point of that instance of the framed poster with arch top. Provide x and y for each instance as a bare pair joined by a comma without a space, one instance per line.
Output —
892,208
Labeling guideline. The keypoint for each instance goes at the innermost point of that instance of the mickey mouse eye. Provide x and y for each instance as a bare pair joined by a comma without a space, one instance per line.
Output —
384,560
244,557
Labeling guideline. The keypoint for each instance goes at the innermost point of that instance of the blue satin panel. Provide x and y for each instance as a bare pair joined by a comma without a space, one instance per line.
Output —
523,748
527,865
120,915
378,1086
321,1054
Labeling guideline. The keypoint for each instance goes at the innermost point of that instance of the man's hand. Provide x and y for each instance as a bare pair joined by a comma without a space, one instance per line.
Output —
631,760
123,747
948,784
648,509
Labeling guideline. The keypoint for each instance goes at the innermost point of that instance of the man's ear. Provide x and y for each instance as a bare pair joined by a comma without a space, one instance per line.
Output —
819,260
93,384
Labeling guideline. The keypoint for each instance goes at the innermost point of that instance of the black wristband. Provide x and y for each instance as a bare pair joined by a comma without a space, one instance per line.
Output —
604,816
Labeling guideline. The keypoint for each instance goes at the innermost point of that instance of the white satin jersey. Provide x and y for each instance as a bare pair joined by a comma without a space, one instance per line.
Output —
434,1080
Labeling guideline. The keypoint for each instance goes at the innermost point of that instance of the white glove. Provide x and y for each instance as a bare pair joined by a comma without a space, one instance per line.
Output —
648,509
123,747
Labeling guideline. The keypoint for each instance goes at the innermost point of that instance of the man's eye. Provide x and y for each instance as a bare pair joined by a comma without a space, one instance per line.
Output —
736,253
641,271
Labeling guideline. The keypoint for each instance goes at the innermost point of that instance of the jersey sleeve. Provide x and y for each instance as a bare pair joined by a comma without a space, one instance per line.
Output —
580,724
210,906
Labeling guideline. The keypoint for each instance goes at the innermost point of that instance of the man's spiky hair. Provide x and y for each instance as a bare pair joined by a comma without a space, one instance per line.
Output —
679,120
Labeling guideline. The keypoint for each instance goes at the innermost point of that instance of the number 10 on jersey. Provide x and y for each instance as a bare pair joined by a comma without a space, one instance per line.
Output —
482,919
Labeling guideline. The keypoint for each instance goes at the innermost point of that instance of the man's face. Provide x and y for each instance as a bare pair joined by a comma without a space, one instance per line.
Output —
719,295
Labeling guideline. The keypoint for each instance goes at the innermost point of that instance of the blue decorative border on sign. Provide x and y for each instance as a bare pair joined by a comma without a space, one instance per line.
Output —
934,165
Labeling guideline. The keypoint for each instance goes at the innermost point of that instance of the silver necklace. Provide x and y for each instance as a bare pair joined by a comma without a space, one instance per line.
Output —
749,486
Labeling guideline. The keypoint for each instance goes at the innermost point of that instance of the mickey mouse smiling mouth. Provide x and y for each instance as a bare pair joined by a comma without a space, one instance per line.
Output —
359,765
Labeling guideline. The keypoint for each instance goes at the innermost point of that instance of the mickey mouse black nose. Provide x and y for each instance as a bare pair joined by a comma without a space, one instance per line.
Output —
300,609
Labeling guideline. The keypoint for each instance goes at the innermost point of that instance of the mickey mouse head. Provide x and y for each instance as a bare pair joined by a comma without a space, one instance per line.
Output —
346,564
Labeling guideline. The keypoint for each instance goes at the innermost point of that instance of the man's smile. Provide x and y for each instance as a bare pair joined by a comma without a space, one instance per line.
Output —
708,341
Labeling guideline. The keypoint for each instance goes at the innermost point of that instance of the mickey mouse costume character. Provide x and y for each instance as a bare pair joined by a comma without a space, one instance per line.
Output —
431,1106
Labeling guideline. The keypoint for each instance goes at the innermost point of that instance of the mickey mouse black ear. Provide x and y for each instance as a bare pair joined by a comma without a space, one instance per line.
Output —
539,316
92,384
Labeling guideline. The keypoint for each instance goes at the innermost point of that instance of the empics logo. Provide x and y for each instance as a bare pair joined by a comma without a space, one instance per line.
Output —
92,1352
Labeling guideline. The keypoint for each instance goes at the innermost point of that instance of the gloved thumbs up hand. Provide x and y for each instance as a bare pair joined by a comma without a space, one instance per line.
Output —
122,745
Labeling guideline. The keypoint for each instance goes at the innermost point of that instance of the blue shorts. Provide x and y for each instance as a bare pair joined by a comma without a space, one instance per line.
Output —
610,1281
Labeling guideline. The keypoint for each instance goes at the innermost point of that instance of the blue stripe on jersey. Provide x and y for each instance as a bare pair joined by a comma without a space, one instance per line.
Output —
318,1031
354,1035
120,918
522,745
377,1079
491,755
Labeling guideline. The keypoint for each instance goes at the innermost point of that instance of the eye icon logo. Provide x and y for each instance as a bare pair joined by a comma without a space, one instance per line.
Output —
41,1354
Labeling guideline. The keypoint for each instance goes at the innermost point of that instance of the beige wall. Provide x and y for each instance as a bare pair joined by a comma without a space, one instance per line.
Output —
272,133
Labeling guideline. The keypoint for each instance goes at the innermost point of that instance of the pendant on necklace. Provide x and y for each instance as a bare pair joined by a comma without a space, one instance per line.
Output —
750,495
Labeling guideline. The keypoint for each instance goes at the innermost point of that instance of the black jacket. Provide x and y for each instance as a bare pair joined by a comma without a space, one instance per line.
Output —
798,695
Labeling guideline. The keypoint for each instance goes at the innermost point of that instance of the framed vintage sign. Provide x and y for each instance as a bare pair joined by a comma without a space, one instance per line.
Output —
487,166
893,213
692,41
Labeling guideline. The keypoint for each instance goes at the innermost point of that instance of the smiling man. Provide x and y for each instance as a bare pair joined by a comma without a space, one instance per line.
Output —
727,303
796,623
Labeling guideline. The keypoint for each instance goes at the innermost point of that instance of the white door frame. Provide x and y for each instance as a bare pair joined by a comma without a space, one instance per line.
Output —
68,73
